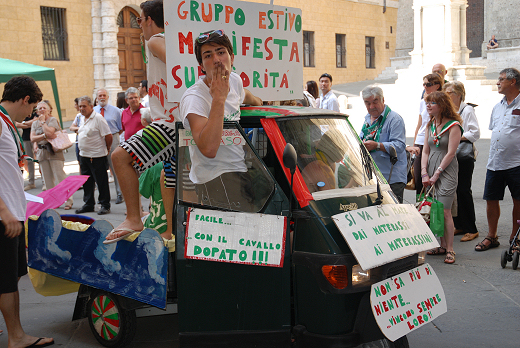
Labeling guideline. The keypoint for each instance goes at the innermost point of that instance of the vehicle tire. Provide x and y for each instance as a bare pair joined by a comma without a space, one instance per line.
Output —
503,259
112,325
515,260
400,343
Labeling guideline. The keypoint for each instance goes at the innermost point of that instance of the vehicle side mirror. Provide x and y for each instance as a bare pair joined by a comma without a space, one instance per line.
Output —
393,154
289,158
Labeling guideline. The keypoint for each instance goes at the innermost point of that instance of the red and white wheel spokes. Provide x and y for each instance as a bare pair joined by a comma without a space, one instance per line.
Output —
105,317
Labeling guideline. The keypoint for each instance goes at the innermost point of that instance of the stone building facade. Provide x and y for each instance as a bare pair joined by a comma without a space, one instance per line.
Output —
483,19
94,44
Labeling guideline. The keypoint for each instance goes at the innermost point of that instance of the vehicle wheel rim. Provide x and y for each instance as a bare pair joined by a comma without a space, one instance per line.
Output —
105,317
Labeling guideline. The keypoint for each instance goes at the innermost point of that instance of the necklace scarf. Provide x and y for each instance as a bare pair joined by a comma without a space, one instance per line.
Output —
372,132
447,126
17,138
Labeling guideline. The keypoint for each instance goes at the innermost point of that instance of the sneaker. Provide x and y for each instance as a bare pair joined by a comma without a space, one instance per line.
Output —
110,179
29,187
103,211
119,199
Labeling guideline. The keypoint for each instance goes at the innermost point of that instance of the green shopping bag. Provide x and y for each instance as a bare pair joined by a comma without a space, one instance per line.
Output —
436,218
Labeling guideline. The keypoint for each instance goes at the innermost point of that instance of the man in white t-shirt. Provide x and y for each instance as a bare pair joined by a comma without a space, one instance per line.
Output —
94,141
205,106
328,99
154,143
20,96
143,93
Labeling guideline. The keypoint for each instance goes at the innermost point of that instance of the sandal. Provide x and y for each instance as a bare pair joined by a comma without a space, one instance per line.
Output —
67,207
493,244
516,245
437,251
450,257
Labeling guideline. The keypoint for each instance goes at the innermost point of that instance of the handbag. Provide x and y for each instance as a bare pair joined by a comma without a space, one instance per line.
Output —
61,142
431,210
465,151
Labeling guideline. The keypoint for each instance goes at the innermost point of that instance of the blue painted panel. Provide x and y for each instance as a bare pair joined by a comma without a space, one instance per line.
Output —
135,269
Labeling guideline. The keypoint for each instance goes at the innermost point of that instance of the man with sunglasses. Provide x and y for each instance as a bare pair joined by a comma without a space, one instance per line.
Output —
328,100
156,142
213,99
503,167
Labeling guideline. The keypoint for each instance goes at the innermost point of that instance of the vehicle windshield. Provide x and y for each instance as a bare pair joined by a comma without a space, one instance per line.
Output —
329,156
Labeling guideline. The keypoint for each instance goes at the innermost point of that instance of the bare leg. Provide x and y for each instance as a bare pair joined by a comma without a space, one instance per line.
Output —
168,196
129,185
516,217
449,229
10,307
493,214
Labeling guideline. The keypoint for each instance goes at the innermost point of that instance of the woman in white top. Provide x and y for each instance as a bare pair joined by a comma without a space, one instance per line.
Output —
465,220
311,92
431,83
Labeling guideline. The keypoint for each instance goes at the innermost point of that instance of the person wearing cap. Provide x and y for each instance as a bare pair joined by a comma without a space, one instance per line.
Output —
205,106
328,99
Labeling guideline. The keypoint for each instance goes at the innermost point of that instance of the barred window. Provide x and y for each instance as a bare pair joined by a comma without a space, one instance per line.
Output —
308,48
54,33
341,51
370,52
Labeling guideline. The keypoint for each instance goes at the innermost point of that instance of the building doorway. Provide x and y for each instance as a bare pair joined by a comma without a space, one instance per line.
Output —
132,68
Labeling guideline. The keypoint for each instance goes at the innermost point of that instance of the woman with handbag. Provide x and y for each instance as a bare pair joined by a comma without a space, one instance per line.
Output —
51,162
465,219
439,165
431,83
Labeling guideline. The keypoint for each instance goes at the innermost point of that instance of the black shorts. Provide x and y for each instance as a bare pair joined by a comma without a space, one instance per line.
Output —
13,260
497,180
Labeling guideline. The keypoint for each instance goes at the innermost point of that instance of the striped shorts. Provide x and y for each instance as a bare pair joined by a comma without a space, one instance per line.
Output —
151,145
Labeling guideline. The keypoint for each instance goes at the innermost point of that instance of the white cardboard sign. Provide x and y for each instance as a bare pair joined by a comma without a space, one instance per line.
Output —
407,301
266,39
381,234
249,238
230,137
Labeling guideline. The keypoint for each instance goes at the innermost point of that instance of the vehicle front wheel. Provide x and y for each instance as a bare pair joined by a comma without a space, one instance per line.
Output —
112,325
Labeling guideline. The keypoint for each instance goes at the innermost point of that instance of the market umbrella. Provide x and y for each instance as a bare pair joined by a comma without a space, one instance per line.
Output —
57,195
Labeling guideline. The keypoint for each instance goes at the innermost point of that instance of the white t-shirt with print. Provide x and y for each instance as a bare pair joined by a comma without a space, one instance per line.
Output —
197,100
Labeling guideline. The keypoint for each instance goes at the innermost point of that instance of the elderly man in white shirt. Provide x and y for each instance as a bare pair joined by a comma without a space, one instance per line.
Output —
503,168
328,100
94,140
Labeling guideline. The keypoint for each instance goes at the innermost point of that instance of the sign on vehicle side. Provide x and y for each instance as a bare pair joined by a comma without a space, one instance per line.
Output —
249,238
381,234
407,301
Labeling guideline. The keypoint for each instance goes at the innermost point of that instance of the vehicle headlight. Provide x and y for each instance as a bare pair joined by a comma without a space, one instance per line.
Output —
359,275
421,257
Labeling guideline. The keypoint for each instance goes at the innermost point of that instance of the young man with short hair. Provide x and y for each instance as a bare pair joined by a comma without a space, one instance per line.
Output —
20,96
328,99
205,106
156,142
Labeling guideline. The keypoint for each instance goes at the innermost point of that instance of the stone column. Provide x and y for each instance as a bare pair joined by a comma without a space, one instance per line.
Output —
416,54
110,51
97,49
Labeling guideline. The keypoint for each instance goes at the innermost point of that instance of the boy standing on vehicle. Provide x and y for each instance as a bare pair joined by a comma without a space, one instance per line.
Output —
156,142
205,106
20,96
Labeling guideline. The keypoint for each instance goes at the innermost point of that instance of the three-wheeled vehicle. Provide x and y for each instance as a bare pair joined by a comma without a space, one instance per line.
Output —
319,297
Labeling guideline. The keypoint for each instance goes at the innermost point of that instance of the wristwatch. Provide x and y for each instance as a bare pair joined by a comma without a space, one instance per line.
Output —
440,169
378,148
